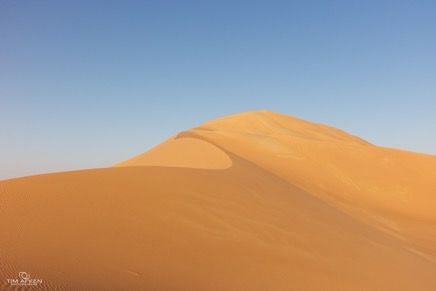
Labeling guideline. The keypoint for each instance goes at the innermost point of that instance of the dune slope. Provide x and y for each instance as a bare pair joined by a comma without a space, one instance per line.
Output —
253,201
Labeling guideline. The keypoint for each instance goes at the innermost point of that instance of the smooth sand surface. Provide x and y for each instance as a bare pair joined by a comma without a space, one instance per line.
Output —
252,201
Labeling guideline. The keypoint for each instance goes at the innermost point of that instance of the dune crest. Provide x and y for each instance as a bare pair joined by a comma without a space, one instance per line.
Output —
184,153
252,201
268,123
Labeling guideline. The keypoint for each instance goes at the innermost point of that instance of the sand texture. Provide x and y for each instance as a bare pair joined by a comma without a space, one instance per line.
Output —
252,201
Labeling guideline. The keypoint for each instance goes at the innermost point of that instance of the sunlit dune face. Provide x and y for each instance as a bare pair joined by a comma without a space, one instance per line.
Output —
183,153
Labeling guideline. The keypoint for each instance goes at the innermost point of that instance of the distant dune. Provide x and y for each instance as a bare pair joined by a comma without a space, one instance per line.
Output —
252,201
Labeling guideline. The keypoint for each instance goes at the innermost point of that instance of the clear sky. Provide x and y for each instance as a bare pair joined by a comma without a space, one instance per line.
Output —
90,83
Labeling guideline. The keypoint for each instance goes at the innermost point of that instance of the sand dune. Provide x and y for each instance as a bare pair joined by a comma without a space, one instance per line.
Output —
252,201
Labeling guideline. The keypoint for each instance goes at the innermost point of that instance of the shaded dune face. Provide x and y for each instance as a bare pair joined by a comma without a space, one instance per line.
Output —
390,189
253,201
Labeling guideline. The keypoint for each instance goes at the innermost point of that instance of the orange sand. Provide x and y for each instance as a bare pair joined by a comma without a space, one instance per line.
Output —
253,201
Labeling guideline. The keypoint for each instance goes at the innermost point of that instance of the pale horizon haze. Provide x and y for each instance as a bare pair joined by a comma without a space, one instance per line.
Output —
88,84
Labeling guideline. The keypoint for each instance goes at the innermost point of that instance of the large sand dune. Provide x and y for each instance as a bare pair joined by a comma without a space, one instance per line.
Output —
253,201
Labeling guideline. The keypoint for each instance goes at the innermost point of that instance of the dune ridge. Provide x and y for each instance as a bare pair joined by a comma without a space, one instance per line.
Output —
253,201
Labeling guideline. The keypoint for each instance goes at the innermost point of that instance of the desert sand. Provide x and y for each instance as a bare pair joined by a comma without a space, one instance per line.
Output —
253,201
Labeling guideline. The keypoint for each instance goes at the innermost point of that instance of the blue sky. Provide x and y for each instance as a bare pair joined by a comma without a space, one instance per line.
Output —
87,84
